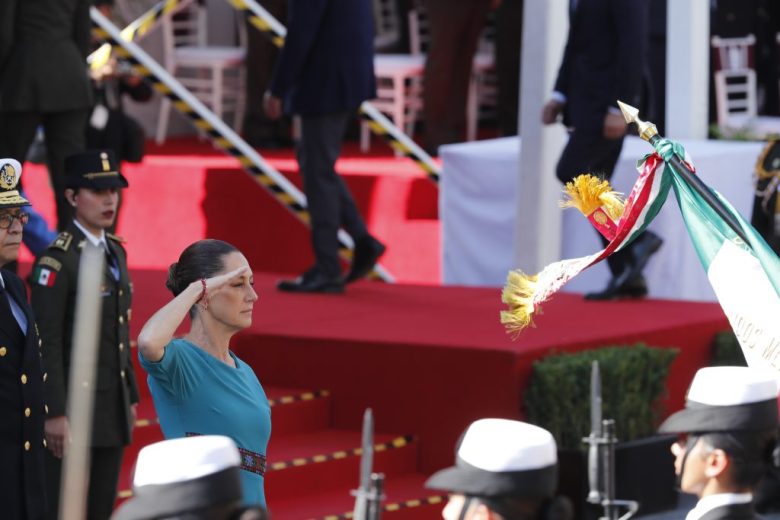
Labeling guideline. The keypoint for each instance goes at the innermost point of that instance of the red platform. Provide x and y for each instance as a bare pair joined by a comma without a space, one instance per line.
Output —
427,360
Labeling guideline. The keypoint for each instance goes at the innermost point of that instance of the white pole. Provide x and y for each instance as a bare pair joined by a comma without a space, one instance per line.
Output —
688,69
538,227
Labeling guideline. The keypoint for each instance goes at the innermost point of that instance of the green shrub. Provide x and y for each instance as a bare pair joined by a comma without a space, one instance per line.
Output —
632,380
726,350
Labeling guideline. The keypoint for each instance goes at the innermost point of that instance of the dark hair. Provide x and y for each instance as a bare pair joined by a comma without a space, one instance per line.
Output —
513,508
750,454
203,259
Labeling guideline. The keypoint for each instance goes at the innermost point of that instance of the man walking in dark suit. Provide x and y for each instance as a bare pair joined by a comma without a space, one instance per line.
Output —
324,72
92,186
22,410
603,62
44,81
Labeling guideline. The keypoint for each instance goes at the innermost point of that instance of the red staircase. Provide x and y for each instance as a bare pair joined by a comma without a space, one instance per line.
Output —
312,467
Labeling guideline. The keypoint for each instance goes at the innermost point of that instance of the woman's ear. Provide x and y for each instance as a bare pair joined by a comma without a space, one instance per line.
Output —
70,196
716,463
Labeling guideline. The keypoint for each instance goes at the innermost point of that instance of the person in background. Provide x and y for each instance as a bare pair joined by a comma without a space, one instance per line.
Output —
92,183
728,435
455,26
604,61
324,72
22,408
44,81
504,470
199,386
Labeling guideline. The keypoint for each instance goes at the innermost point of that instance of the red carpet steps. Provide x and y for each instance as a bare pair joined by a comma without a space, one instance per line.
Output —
312,467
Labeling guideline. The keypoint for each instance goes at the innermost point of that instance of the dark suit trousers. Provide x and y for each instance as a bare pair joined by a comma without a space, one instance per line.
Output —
64,136
590,152
455,28
330,203
103,480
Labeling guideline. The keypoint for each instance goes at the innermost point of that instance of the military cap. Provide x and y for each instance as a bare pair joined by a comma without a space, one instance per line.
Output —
187,475
95,169
10,174
501,458
727,399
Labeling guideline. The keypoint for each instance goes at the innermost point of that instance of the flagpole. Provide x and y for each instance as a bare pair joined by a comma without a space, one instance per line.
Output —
649,133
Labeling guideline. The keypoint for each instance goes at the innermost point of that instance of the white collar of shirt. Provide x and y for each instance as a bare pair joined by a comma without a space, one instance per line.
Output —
710,502
96,241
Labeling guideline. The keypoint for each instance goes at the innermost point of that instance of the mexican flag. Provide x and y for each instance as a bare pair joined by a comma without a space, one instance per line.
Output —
745,278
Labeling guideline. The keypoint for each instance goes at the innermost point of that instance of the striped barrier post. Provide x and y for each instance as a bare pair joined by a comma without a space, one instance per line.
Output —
141,26
221,135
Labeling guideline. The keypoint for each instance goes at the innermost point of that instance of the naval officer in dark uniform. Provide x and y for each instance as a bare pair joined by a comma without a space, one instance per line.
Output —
22,408
92,187
44,81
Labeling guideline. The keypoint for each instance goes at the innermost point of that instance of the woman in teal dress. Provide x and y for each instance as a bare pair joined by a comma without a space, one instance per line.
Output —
198,385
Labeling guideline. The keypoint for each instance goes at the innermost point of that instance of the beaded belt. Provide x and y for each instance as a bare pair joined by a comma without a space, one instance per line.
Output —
251,461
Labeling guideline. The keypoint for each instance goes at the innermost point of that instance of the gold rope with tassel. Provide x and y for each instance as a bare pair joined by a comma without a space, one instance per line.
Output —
596,199
519,296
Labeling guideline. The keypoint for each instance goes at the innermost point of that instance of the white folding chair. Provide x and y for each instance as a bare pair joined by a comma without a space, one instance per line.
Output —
736,89
214,74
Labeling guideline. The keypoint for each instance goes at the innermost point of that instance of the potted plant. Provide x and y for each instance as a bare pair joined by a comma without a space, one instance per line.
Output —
633,379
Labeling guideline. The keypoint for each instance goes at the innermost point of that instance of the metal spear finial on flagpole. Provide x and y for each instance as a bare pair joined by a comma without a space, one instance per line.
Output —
649,133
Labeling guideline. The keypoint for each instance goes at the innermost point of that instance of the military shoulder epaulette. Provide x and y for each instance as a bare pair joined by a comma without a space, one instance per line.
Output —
116,238
62,241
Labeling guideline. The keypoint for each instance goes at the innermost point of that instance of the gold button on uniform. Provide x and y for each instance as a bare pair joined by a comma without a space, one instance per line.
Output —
26,445
40,343
122,373
3,351
121,347
121,292
121,319
46,408
44,443
27,412
24,379
45,376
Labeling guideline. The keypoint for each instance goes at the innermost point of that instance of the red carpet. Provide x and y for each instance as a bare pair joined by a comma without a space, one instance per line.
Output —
187,190
427,360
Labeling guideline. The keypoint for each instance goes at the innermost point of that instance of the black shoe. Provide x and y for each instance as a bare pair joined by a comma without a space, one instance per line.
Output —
367,251
621,287
312,281
642,249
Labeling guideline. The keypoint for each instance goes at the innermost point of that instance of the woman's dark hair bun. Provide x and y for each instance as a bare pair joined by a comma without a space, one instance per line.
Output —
170,283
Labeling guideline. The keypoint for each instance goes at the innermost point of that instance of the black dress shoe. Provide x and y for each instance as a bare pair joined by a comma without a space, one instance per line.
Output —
312,281
367,251
621,287
642,249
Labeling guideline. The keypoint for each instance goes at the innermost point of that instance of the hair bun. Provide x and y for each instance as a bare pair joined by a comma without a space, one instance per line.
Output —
172,283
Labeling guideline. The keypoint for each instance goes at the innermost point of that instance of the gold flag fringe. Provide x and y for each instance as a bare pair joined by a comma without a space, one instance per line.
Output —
588,193
518,294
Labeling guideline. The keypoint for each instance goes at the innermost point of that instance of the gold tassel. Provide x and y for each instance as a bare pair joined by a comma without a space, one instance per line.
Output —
588,193
519,296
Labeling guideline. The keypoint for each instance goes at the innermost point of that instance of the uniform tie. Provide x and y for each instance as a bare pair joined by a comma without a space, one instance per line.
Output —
113,265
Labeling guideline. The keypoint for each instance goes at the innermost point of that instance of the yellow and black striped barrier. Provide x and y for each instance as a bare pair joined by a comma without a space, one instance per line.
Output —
396,506
141,26
220,134
379,124
398,442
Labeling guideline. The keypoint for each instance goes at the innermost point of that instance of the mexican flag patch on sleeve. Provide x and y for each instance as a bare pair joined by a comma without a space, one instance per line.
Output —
45,276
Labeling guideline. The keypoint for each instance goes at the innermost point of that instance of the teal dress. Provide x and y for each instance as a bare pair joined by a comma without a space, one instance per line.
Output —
197,394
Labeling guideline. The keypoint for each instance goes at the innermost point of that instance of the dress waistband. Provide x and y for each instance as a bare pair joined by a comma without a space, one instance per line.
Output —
251,461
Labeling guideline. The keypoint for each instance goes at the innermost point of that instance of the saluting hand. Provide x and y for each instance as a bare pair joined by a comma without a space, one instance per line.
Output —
57,434
215,283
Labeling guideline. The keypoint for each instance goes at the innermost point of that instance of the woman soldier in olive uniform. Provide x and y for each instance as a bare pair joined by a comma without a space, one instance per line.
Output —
92,187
